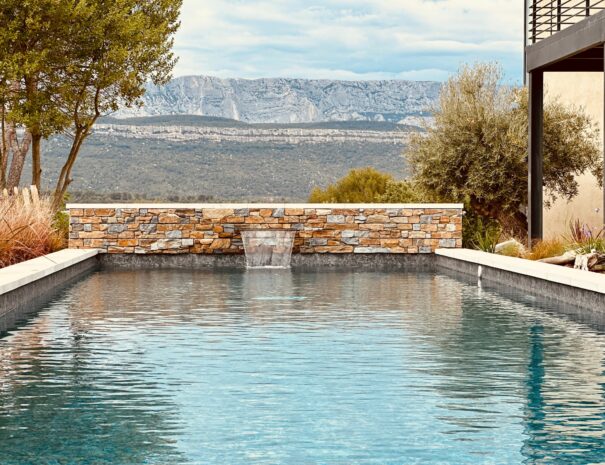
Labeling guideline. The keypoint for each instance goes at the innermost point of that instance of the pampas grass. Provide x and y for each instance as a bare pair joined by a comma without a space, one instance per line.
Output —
27,228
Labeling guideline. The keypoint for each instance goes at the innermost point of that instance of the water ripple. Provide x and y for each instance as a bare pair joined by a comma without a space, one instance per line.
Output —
185,367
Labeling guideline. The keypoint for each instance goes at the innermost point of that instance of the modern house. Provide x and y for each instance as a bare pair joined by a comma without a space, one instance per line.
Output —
562,36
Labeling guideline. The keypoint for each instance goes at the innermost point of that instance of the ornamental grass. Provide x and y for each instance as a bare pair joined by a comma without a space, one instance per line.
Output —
547,248
28,228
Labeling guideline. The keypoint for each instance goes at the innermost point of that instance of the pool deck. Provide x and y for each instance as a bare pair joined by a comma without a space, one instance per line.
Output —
574,287
27,283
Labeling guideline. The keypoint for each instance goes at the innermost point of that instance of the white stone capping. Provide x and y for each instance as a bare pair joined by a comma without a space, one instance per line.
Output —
448,206
586,280
21,274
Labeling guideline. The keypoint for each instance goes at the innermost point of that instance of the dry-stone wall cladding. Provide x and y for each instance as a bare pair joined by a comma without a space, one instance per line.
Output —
215,229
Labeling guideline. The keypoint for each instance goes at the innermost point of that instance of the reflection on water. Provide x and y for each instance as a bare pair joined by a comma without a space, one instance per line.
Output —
232,367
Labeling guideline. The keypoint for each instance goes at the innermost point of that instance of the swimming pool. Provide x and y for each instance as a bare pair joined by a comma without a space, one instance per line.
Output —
292,367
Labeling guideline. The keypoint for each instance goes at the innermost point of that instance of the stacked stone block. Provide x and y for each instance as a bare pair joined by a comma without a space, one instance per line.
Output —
216,230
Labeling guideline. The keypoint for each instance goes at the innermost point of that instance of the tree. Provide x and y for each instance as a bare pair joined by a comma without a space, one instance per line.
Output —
358,186
11,148
75,60
33,34
476,149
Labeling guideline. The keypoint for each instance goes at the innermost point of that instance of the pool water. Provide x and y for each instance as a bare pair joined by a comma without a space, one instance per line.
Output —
284,367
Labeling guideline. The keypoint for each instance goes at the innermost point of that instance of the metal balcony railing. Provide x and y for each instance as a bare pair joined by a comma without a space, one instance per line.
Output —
547,17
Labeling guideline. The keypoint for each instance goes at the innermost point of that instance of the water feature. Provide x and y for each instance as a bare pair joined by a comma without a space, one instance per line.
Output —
268,248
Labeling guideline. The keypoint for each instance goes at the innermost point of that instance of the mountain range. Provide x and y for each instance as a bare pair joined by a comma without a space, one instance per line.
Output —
284,100
200,138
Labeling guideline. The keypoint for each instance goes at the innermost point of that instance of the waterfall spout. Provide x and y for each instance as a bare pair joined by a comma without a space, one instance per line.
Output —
268,248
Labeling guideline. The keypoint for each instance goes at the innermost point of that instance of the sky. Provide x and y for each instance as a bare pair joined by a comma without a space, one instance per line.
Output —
352,39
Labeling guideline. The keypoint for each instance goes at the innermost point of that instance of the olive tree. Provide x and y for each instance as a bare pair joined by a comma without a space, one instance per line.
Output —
476,148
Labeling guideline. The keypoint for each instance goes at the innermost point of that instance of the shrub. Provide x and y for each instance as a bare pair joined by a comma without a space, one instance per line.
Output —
594,243
486,236
363,185
584,240
578,232
27,230
402,192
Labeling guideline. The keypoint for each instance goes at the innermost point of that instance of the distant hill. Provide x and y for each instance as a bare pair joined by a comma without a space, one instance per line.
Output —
284,101
214,121
195,158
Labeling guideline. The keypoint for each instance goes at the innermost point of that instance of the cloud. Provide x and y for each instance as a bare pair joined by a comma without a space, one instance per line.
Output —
347,39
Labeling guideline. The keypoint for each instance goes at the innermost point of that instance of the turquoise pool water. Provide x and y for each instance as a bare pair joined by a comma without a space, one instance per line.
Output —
179,367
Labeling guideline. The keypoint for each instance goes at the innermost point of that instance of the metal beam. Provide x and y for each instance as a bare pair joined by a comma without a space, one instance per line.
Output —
572,40
535,156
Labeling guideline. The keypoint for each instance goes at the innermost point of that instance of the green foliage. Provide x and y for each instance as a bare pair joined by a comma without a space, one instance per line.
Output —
61,225
594,244
64,64
402,192
476,149
229,171
486,236
363,185
472,225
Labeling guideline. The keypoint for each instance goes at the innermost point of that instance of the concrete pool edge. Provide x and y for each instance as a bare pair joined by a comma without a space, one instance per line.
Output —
27,283
573,287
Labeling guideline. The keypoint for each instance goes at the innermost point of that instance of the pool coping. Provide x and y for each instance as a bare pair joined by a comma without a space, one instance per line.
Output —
344,206
545,271
25,284
29,271
574,287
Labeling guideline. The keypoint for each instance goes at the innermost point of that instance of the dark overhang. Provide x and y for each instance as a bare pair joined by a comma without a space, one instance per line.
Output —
576,48
564,38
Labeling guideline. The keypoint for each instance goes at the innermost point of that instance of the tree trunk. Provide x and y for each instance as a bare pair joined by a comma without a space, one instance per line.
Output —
19,151
31,92
3,150
36,141
65,176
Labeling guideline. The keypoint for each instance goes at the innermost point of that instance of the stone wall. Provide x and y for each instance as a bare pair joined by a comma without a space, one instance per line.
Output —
215,229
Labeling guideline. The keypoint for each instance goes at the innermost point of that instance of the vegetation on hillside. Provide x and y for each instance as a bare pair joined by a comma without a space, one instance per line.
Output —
65,64
164,170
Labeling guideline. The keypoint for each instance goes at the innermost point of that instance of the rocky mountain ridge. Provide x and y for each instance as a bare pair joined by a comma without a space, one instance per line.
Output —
250,134
284,101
